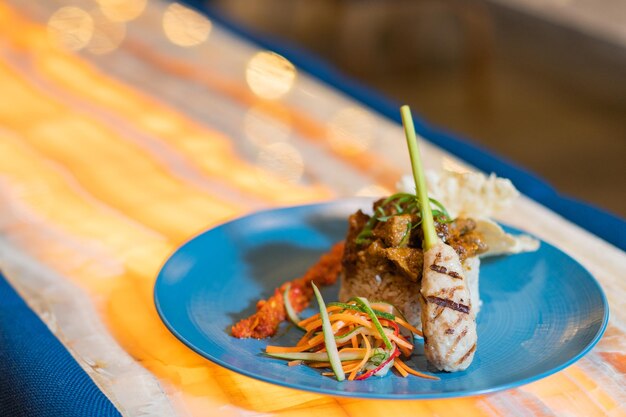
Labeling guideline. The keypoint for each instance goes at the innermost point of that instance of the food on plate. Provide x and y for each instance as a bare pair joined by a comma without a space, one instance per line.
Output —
391,264
398,256
448,316
419,264
359,339
384,259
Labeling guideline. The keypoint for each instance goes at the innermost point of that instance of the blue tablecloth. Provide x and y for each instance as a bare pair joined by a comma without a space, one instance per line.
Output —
38,376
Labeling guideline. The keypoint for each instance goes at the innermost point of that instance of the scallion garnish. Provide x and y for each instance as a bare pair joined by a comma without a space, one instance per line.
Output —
365,305
396,205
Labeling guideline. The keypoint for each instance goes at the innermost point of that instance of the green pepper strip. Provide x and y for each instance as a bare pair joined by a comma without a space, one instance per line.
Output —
363,303
346,306
359,330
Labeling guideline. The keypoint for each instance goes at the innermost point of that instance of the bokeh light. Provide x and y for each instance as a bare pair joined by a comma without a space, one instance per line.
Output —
270,75
351,131
107,35
185,27
71,28
122,10
261,129
283,160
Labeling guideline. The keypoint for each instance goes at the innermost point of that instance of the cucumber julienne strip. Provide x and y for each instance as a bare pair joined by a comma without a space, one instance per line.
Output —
329,337
317,356
289,308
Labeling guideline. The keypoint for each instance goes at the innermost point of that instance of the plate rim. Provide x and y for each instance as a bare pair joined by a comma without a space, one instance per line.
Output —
364,395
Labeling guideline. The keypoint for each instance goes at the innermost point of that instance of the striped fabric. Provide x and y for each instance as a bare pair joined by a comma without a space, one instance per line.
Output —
128,127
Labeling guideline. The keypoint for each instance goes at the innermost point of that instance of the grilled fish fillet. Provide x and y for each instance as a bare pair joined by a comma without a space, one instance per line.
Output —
448,319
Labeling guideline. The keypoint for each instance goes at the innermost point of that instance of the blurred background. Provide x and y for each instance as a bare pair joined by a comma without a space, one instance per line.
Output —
542,83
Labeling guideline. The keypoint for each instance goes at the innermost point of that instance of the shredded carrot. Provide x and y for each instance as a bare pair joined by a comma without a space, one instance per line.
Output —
356,350
347,364
305,339
305,322
349,318
354,341
283,349
344,364
414,372
320,365
320,337
348,326
400,341
400,369
408,326
406,352
368,353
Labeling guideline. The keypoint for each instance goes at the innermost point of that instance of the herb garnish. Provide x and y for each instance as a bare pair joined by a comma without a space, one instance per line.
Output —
396,205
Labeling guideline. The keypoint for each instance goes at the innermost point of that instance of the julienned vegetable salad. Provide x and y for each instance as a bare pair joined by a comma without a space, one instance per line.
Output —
357,340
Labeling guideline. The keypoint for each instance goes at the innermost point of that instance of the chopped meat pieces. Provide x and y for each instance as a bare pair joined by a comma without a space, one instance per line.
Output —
407,261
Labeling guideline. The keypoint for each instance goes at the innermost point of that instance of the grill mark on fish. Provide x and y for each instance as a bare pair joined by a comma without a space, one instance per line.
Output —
458,339
461,308
438,313
455,275
439,268
443,270
469,352
451,326
449,292
456,343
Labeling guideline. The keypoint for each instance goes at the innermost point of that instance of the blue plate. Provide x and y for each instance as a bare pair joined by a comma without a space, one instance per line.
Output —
541,311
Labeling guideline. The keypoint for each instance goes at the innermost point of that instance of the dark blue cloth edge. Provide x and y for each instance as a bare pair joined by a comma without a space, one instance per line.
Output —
600,222
38,376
